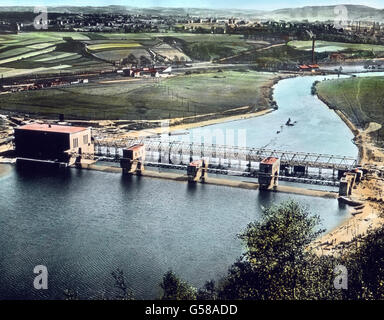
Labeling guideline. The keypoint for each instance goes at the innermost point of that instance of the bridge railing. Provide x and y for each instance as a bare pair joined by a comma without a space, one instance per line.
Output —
180,148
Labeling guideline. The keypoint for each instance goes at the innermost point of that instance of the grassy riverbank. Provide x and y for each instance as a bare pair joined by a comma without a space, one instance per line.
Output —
360,99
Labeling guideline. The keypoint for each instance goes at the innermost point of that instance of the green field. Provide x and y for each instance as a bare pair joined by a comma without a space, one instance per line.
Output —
207,47
361,99
46,52
275,56
108,46
147,98
328,46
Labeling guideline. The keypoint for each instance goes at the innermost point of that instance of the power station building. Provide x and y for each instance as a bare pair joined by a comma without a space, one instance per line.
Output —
269,173
50,142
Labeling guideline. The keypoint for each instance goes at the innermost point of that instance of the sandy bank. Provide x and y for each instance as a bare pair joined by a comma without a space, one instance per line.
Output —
186,126
4,169
370,191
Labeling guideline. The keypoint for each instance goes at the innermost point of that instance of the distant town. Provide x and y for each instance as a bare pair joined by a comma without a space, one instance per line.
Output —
350,30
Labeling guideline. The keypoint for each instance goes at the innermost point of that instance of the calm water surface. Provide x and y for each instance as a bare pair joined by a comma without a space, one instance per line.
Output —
84,224
317,129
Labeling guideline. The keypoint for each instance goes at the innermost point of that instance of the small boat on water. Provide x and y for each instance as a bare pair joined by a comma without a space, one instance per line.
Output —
290,123
349,201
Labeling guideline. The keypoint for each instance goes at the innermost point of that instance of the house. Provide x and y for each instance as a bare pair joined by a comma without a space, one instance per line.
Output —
51,142
304,67
310,67
314,66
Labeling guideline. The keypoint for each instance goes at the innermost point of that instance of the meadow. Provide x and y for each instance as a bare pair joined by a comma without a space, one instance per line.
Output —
147,99
47,52
44,52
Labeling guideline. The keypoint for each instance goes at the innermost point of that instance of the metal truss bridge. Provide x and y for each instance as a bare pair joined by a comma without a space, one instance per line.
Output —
167,149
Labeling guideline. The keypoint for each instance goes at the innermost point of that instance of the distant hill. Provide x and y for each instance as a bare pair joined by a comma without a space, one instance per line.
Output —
311,13
324,13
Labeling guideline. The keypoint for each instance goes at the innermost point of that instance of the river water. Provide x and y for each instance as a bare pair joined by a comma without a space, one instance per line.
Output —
316,129
84,224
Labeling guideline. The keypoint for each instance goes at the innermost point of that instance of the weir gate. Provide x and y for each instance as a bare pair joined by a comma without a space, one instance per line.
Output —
301,167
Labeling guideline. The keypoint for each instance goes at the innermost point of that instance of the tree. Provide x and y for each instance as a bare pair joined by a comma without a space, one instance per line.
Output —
365,265
277,263
176,289
131,59
144,61
208,292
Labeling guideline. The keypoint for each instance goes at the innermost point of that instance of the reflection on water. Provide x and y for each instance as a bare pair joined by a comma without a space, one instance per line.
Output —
84,224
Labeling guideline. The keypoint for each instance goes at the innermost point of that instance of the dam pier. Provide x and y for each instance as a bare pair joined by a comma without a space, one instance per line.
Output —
62,146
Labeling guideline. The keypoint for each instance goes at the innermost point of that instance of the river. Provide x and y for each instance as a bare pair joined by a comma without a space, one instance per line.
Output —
84,224
316,129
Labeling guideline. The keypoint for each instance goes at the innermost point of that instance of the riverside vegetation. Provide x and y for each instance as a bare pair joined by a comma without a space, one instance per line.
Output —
277,265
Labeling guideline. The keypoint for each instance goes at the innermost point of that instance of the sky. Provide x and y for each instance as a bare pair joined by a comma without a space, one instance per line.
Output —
239,4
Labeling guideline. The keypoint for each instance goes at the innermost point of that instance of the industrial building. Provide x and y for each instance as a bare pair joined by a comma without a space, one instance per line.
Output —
51,142
269,173
133,159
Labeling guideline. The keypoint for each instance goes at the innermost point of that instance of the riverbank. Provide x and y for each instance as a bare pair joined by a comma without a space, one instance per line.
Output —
126,129
198,124
122,129
369,191
181,124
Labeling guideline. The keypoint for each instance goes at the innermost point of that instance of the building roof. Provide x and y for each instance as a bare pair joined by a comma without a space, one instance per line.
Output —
269,160
51,128
136,147
196,163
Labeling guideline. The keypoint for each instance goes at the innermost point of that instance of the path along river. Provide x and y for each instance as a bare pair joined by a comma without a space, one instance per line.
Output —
84,224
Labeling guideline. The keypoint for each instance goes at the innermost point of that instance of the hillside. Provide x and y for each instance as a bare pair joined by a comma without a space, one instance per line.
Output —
324,13
361,99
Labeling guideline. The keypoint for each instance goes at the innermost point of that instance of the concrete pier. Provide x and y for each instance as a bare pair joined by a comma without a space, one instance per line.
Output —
218,182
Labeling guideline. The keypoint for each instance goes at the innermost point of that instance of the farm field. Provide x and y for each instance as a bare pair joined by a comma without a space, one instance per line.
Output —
147,99
208,47
170,53
356,99
46,52
187,46
114,55
106,46
328,46
275,55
